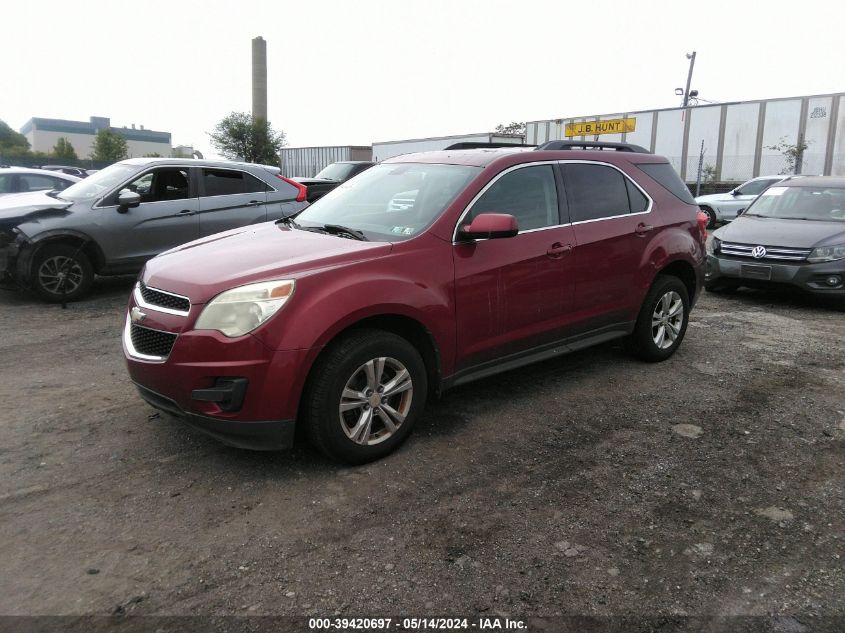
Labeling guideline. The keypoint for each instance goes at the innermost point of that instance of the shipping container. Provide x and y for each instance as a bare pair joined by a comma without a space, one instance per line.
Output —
307,161
388,149
738,138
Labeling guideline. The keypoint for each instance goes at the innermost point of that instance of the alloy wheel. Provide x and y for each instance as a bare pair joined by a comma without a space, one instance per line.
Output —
667,319
375,401
60,274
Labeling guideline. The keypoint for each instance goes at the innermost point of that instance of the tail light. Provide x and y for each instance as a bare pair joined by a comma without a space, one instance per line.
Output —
702,225
303,190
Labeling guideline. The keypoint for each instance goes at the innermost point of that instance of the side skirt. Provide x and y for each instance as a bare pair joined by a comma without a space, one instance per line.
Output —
537,354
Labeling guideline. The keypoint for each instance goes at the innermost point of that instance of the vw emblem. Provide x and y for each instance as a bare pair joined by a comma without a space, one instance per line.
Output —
759,251
136,315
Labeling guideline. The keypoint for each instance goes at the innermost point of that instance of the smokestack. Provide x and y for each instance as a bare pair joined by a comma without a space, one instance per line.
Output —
259,78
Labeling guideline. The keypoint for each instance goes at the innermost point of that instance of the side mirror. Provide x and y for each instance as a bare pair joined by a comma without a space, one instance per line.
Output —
488,226
740,212
735,192
128,199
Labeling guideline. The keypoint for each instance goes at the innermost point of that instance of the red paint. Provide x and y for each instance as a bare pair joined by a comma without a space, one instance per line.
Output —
479,300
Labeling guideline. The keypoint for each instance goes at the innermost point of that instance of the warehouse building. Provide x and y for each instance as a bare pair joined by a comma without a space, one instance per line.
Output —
739,138
42,135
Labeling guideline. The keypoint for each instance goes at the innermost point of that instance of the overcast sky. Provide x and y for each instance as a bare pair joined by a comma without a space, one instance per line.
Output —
353,72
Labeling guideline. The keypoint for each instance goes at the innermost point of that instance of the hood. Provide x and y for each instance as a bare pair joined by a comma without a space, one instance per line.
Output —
206,267
714,197
777,232
18,209
23,203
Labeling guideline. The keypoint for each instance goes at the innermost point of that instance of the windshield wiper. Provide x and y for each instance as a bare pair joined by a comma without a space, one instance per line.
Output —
289,220
338,229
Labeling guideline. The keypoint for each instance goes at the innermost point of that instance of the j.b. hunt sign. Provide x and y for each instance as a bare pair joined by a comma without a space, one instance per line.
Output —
592,128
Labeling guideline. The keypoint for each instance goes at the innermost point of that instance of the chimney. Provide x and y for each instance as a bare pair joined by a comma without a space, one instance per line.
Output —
259,78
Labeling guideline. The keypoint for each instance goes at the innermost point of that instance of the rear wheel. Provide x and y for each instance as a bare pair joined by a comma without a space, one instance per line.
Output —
711,217
662,321
364,395
61,272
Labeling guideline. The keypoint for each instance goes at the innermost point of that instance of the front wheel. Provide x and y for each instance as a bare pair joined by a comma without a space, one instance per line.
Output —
662,321
364,395
61,272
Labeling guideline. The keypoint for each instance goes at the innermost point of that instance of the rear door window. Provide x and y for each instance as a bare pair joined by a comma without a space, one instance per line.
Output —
226,182
6,183
36,182
599,191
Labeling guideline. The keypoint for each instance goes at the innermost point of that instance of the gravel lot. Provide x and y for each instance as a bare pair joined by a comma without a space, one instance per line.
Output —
593,484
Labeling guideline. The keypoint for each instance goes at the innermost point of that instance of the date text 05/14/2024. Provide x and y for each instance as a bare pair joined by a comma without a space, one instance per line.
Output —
416,624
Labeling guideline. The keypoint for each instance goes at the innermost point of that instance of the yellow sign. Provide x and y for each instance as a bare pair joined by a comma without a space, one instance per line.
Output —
592,128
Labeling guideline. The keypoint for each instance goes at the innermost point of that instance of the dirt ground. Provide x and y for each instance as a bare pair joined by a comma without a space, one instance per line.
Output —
588,485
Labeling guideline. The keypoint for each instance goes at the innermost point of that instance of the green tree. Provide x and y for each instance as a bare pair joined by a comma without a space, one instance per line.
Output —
792,152
109,146
12,142
63,149
515,127
240,136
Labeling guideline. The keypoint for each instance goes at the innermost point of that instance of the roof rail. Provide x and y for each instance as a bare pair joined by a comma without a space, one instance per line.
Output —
619,147
482,145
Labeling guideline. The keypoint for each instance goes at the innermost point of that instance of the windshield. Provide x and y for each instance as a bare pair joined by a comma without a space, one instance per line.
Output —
336,171
800,203
390,202
98,184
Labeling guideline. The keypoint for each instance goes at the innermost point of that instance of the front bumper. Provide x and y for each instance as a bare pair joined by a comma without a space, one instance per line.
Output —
261,435
759,273
237,390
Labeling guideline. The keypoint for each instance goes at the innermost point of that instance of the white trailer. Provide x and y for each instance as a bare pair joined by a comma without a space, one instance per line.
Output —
738,137
307,161
388,149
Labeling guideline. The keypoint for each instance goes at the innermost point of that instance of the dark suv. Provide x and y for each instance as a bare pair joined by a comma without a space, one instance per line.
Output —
347,318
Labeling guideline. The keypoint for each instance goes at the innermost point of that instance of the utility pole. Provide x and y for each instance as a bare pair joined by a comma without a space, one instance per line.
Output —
691,58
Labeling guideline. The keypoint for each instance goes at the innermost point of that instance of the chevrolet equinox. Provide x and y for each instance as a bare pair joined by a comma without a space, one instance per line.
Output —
424,272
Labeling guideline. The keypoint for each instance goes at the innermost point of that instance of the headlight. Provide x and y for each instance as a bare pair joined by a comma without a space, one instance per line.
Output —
827,254
241,310
713,245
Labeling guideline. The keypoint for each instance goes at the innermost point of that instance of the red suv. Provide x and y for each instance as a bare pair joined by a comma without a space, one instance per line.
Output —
424,272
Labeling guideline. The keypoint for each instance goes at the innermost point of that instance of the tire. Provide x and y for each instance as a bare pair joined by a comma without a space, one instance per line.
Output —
344,414
51,263
711,217
658,321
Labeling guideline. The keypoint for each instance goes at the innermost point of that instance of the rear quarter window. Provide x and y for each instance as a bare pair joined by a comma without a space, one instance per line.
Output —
668,178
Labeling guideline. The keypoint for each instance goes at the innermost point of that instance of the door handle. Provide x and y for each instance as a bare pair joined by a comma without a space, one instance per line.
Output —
558,250
643,228
186,212
252,203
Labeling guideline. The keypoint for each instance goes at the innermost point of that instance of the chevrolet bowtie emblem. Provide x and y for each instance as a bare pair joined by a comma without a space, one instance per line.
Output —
136,315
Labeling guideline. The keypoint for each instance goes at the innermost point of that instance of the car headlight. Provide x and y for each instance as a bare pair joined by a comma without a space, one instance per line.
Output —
827,254
240,310
713,245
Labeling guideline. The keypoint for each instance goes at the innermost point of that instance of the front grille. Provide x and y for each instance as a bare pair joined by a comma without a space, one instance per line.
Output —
774,253
151,342
161,299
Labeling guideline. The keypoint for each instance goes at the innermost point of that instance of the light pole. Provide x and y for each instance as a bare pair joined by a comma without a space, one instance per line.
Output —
687,93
